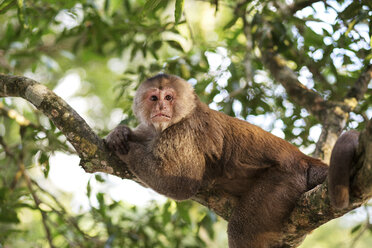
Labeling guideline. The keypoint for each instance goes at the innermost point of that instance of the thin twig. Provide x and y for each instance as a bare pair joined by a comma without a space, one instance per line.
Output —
37,204
10,154
20,119
36,199
7,151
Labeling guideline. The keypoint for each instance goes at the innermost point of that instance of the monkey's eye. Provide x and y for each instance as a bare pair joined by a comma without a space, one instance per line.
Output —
153,98
168,97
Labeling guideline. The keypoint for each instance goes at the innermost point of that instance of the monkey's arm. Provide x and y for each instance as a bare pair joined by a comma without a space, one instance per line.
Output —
157,165
141,134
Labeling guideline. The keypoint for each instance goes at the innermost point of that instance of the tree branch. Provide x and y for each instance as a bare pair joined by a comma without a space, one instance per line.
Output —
312,209
361,85
89,146
299,93
301,4
337,114
333,115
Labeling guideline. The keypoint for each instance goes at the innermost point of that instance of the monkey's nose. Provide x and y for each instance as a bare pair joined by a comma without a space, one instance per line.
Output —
161,105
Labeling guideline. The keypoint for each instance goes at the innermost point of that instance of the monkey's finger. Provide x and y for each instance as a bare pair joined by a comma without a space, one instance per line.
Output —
126,147
119,146
126,137
116,145
122,137
109,144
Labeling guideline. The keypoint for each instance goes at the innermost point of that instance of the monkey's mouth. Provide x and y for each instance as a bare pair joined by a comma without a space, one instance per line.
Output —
161,117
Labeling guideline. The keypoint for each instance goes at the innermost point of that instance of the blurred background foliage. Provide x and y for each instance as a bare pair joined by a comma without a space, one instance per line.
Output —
94,53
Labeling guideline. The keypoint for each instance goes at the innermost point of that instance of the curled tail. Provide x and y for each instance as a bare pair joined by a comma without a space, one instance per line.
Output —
342,157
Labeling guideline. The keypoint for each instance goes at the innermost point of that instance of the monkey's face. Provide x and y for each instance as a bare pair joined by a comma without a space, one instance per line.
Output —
163,101
160,104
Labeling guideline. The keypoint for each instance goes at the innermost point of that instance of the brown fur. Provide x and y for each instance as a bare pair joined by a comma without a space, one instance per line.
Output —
342,157
266,172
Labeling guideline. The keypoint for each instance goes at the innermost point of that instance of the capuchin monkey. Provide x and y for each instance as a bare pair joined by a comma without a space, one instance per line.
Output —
181,144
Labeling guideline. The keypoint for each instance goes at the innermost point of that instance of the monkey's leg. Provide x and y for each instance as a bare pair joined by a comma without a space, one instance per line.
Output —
257,220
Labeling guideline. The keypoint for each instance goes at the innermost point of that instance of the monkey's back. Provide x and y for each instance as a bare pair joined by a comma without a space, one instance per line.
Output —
248,152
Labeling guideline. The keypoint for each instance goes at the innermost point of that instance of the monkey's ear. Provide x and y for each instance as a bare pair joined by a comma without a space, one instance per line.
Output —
186,100
139,108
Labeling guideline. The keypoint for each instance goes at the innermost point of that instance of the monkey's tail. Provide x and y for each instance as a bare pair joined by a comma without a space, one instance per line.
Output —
342,158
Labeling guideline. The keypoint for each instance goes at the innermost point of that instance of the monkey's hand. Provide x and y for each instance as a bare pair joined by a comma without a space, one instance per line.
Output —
118,139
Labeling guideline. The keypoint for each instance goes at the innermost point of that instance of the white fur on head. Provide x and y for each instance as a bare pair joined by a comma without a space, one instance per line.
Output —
185,99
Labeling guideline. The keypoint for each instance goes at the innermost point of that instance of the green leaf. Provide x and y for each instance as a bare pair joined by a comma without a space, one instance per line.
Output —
183,211
355,228
313,39
175,45
127,5
46,169
166,215
43,158
178,10
157,44
44,163
22,13
8,216
152,4
101,200
351,11
133,52
231,23
207,222
89,189
5,5
99,178
107,5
